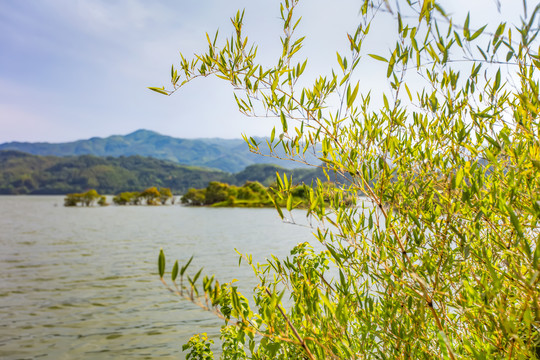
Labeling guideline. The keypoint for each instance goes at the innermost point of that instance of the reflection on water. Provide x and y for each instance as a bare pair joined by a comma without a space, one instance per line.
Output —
82,282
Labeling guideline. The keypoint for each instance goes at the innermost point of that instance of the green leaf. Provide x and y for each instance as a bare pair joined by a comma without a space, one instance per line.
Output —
377,57
492,141
477,33
466,31
289,202
174,273
283,122
184,268
159,90
340,61
514,220
391,64
459,177
497,80
425,11
197,276
352,96
161,263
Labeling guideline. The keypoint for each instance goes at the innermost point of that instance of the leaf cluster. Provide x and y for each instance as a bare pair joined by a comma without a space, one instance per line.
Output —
150,196
88,198
430,226
251,194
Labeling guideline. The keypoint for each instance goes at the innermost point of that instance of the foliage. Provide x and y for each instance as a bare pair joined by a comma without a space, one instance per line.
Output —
199,347
30,174
22,173
88,198
440,258
165,195
150,196
251,194
195,197
127,198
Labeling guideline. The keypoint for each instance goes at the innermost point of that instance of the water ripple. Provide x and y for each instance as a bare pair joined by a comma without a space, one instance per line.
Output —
82,283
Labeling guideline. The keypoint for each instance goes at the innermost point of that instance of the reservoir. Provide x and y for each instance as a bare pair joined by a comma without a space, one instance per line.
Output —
82,283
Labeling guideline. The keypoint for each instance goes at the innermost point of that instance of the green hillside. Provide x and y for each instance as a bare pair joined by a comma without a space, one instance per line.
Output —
22,173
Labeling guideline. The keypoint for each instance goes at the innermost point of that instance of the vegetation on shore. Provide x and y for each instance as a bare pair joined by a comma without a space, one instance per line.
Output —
150,196
251,194
88,198
22,173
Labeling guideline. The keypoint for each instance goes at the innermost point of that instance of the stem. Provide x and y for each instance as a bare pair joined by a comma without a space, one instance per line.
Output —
302,342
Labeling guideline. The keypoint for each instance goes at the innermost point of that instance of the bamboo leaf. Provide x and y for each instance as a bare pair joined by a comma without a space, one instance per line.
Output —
352,96
378,57
289,202
466,31
197,276
283,122
159,90
514,220
161,263
184,268
174,273
477,33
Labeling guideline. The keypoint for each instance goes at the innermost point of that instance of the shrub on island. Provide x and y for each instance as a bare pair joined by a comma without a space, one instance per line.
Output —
251,194
88,198
150,196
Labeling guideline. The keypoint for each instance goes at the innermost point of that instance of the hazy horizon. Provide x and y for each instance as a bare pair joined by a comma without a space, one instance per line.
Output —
126,134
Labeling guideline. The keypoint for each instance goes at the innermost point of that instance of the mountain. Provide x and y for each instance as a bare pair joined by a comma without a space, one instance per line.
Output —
22,173
228,155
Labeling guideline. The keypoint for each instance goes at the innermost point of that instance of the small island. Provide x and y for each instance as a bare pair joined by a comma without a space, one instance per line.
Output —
251,194
150,196
216,194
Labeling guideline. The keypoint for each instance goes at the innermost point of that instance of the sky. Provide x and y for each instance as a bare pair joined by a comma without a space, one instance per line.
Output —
75,69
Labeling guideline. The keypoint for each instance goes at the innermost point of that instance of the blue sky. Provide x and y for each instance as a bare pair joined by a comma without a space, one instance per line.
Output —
74,69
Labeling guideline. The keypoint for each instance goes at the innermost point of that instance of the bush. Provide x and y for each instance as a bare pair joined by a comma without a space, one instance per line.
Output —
194,197
127,198
85,199
216,192
439,258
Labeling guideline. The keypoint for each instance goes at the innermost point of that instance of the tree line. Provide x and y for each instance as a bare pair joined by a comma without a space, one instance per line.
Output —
149,196
22,173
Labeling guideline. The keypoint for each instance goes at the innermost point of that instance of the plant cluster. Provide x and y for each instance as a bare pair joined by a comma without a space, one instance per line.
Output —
150,196
22,173
88,198
440,257
251,194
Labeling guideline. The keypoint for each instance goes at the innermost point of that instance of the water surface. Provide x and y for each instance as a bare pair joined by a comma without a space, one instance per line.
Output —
81,283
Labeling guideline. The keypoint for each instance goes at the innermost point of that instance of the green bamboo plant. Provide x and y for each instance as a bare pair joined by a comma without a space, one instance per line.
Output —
437,254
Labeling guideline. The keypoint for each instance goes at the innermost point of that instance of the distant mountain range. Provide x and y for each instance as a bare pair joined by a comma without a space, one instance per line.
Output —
227,155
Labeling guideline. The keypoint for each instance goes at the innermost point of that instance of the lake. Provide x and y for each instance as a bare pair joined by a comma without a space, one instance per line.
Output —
82,283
